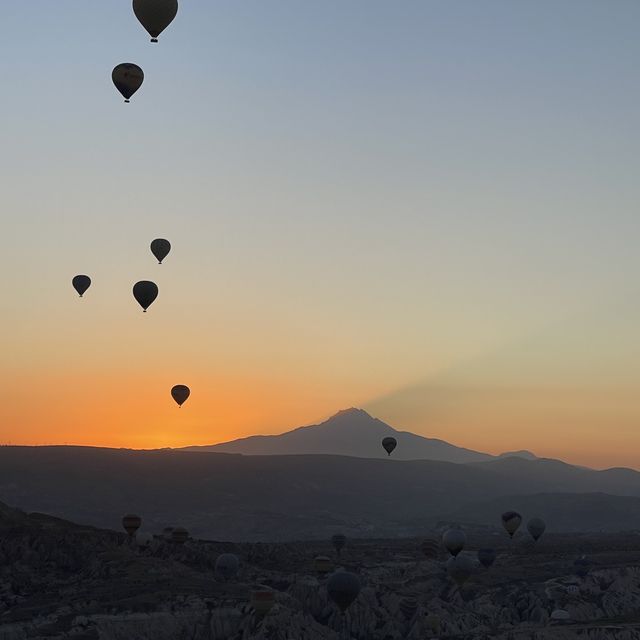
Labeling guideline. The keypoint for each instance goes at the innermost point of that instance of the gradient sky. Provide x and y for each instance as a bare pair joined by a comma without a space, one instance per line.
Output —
428,209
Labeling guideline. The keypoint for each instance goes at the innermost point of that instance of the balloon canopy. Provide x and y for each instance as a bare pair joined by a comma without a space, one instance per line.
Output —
155,15
128,78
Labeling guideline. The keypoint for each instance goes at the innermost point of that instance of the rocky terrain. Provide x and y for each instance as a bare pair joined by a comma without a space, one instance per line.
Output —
60,580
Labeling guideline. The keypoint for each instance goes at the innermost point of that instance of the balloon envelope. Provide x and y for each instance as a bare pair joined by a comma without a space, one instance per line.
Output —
343,588
536,527
511,521
155,15
145,293
160,249
262,601
460,569
180,393
131,523
128,78
81,284
227,565
486,557
338,541
322,564
179,535
389,444
454,541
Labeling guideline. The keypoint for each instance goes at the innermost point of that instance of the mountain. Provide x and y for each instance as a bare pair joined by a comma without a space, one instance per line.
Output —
288,497
351,432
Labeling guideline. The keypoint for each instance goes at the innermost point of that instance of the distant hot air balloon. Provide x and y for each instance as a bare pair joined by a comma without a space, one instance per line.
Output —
338,541
322,564
131,523
262,601
166,533
227,565
81,284
454,540
128,78
389,444
511,521
430,547
180,393
486,557
145,293
581,566
460,568
155,15
160,249
536,527
343,588
179,535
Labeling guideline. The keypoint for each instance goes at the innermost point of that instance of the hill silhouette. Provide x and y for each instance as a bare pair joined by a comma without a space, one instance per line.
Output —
351,432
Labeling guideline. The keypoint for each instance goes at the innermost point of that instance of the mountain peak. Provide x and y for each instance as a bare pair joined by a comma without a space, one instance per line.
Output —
352,412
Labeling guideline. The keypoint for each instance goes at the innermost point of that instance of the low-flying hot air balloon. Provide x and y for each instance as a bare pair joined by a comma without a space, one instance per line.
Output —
166,533
160,249
343,588
131,523
179,535
536,527
322,564
338,541
145,293
581,566
389,444
227,565
81,284
128,78
511,521
430,547
155,15
180,393
454,541
460,568
486,557
262,601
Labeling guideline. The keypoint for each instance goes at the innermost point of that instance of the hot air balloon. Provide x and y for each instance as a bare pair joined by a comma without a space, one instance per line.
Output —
460,568
486,557
511,521
343,588
262,601
338,541
180,393
81,284
389,444
179,535
128,78
155,15
160,249
131,523
536,527
454,541
581,566
166,533
227,565
430,547
322,564
573,590
145,293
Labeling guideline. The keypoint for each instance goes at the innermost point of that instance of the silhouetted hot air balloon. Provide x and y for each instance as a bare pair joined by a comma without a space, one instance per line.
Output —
155,15
145,293
454,541
322,564
430,547
81,284
180,393
166,533
460,568
160,249
536,527
338,541
486,557
227,565
179,535
389,444
343,588
131,523
581,566
511,521
262,601
128,78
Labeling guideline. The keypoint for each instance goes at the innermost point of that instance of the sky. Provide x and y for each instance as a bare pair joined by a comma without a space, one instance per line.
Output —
426,209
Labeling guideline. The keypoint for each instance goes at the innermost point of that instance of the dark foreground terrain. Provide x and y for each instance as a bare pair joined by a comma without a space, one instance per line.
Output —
60,580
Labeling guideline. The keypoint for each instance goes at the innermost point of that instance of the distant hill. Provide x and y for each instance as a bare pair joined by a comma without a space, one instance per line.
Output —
248,498
351,432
